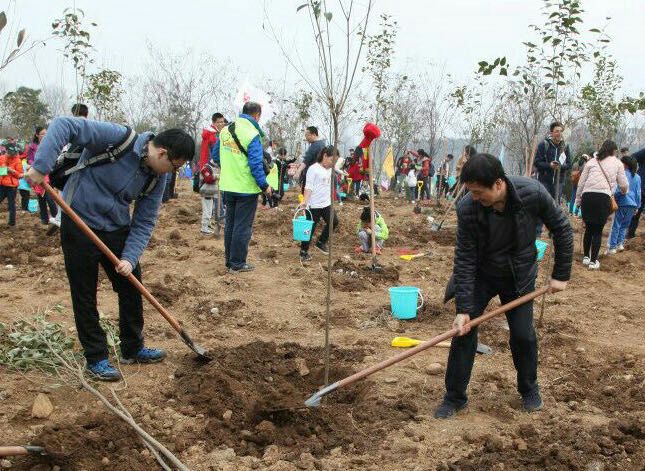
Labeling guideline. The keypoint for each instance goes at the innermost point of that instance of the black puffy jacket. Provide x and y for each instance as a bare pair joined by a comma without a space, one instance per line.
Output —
529,202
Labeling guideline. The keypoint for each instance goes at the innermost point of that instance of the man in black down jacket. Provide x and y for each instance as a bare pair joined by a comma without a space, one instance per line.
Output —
495,255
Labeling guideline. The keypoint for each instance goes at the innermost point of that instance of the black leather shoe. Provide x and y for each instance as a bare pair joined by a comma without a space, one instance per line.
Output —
447,410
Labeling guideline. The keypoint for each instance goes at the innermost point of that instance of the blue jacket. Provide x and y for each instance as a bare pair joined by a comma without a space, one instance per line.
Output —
255,153
633,196
102,194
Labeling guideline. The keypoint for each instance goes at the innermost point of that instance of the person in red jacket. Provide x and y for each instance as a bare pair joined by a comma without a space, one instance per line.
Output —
209,138
354,172
10,175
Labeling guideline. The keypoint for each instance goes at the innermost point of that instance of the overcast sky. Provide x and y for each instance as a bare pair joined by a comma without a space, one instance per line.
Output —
455,33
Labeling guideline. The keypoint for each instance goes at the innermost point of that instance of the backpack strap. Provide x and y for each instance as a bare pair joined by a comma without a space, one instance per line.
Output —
111,154
231,129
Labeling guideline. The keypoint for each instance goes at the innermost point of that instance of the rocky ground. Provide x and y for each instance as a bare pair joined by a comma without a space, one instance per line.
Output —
243,410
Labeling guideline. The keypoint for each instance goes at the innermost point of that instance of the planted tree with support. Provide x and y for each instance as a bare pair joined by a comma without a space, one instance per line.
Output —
339,32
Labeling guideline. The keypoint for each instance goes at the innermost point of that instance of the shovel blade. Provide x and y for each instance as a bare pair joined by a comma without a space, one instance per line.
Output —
201,352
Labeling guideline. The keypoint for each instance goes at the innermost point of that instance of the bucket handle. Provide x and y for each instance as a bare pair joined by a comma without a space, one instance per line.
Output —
421,296
302,209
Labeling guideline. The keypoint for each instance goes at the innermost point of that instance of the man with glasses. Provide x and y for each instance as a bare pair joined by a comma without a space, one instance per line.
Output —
101,196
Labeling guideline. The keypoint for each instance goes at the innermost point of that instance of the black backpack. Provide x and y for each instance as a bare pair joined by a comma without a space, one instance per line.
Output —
68,162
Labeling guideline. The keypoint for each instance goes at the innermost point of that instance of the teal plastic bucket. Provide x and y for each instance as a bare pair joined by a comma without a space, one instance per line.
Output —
32,207
302,227
403,300
285,187
541,247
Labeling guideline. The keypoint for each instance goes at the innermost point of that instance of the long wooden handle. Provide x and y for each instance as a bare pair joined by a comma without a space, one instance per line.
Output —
440,338
110,255
13,451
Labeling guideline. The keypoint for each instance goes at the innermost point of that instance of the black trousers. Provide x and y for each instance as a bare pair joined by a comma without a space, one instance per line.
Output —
9,192
523,341
24,199
45,201
82,259
592,240
316,214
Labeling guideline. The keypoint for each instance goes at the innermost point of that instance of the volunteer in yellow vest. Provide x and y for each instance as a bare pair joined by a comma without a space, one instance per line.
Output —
238,152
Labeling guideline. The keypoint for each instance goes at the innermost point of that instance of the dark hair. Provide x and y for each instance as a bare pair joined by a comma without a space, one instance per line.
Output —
606,149
177,142
450,156
624,149
631,163
366,215
217,116
422,153
282,151
328,150
80,109
251,107
36,139
483,169
555,124
312,129
470,150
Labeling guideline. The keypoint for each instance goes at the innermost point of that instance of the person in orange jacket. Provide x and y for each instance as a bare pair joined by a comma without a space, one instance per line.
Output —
10,174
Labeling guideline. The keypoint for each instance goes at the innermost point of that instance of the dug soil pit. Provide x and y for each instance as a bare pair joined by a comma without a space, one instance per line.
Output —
253,396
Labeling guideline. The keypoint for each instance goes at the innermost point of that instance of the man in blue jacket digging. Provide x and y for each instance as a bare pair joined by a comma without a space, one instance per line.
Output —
100,190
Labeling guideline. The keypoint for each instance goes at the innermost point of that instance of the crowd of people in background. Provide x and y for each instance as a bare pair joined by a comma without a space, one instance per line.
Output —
591,185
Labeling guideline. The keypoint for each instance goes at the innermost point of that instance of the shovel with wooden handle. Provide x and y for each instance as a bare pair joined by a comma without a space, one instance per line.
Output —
200,351
314,400
437,227
22,450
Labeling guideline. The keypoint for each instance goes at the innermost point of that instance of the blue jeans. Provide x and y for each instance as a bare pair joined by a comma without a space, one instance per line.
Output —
240,213
573,209
622,219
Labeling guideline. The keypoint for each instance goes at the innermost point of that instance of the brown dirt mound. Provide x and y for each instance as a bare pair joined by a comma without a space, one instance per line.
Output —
637,243
85,443
253,380
618,445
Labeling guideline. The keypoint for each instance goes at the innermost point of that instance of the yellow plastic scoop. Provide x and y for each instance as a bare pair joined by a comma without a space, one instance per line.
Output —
407,258
405,342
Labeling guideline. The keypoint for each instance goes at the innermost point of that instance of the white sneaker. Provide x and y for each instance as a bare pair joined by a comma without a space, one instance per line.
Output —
207,230
611,251
620,248
586,260
594,265
54,221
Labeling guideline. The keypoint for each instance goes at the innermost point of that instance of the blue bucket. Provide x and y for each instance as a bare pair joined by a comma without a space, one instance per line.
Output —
302,227
541,247
32,206
403,300
285,187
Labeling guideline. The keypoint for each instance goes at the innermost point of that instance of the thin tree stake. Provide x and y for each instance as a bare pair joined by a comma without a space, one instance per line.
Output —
332,215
